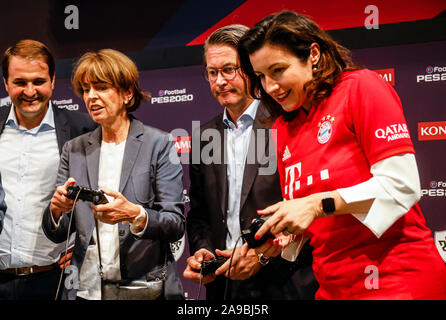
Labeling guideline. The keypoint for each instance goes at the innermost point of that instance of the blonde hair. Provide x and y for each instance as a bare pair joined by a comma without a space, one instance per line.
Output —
112,67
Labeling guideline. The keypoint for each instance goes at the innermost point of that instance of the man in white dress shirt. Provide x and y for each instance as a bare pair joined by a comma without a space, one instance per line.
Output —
2,204
32,134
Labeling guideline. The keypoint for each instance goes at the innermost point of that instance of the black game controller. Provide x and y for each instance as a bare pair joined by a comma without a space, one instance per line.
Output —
248,234
210,266
86,194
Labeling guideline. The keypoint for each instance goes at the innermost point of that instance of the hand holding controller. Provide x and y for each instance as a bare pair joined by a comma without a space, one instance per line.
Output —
210,266
94,196
248,234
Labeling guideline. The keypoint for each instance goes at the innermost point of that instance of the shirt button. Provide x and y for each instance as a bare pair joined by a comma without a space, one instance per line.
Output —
121,232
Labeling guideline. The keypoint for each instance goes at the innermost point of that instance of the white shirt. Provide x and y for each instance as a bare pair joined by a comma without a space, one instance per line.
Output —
237,148
395,186
29,162
110,166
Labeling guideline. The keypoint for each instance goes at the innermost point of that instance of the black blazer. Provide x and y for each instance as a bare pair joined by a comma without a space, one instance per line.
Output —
206,220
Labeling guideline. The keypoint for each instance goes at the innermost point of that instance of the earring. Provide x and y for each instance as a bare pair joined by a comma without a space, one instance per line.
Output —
314,67
126,102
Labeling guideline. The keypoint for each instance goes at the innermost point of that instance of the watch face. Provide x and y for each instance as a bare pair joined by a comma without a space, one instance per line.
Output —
328,205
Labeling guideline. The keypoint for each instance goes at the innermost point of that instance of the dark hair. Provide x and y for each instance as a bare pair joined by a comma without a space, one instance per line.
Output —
29,49
227,35
295,33
112,67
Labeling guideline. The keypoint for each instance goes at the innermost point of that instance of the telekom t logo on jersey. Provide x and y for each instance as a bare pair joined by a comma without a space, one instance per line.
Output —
293,178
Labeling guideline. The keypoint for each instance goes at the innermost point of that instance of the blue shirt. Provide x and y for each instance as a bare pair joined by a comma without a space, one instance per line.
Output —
2,204
29,165
237,145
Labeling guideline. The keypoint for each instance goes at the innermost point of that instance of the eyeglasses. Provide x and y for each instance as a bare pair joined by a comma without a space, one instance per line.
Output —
228,73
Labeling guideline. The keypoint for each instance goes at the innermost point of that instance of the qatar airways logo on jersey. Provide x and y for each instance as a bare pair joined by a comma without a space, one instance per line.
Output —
293,179
393,132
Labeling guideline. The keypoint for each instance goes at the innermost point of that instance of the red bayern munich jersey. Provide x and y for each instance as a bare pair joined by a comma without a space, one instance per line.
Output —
334,146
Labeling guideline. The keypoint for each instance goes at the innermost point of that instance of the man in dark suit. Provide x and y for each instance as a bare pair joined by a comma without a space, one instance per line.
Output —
232,176
32,134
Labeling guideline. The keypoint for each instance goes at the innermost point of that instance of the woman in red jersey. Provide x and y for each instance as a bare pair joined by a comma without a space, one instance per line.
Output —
348,172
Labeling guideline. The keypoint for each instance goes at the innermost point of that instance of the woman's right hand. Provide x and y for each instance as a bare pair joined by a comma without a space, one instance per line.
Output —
59,202
292,216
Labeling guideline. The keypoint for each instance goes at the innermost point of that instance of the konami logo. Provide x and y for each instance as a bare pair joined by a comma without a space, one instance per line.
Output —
432,130
182,144
388,75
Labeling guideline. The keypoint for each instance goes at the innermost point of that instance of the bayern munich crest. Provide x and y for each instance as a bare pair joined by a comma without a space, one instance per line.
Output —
325,129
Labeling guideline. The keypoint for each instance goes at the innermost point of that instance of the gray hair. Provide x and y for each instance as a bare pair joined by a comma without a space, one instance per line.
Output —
227,35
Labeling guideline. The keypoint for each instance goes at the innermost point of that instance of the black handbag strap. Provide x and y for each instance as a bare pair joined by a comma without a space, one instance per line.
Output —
101,273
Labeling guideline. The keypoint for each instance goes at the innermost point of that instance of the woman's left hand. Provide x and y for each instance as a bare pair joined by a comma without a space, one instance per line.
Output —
118,210
292,216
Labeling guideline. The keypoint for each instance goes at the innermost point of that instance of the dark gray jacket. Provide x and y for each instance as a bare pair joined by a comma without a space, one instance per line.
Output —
148,178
